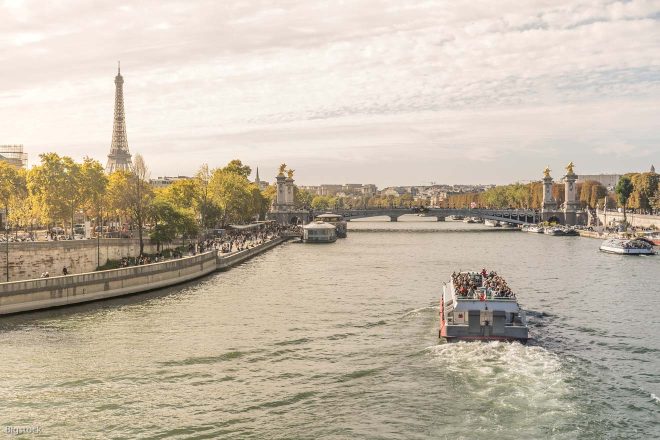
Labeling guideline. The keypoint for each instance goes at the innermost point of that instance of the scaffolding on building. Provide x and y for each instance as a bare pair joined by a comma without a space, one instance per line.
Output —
14,155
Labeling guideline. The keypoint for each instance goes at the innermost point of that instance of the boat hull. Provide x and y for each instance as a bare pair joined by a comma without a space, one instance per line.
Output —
619,251
473,328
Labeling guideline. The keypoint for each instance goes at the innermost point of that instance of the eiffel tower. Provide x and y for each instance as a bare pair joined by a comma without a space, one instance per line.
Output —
119,157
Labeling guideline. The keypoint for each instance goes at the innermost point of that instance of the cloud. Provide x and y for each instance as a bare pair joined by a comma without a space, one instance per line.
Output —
381,82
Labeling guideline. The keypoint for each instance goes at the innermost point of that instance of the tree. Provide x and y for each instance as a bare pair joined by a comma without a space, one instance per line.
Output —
12,187
94,188
302,198
237,167
321,203
230,191
623,190
203,177
169,221
129,195
140,195
57,185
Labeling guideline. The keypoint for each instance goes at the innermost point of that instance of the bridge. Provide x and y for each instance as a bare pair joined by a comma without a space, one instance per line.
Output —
513,216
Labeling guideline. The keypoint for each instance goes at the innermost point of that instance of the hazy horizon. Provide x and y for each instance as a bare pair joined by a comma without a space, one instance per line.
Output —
390,92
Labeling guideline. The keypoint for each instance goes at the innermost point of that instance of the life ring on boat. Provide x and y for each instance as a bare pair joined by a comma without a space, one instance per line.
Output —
482,297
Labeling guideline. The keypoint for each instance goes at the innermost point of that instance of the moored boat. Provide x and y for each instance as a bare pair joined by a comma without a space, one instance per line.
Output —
480,306
319,232
622,246
455,218
554,230
337,220
493,223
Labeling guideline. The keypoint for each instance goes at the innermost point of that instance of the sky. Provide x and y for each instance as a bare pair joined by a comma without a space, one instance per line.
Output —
391,92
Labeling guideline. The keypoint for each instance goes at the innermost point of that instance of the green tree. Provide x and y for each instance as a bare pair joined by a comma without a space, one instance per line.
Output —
623,190
94,183
231,193
237,167
321,203
57,184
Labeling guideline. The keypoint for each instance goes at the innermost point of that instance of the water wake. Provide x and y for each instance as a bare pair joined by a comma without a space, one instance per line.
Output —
505,378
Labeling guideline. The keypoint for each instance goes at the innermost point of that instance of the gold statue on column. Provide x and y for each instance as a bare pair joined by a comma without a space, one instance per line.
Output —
569,168
546,172
289,173
282,168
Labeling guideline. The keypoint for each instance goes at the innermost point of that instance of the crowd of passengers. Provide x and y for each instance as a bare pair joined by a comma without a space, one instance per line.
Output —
488,284
636,244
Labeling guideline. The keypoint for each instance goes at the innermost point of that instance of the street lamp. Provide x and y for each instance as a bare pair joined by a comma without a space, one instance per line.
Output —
7,242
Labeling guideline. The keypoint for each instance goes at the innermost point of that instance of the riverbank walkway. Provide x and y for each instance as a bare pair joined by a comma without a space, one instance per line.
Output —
44,293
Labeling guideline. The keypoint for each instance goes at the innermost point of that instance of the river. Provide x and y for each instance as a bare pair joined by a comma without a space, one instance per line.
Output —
340,341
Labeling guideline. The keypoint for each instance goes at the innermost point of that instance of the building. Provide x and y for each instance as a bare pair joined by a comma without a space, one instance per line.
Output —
260,184
119,157
165,181
14,155
609,181
329,190
369,189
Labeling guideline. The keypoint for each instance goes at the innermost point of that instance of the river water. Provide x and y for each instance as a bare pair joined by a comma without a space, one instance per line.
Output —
340,342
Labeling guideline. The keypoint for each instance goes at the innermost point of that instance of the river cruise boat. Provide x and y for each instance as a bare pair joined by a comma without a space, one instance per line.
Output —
319,232
480,306
621,246
455,218
493,223
470,220
337,220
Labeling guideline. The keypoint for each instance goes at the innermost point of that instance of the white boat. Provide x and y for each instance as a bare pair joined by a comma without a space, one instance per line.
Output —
622,246
337,220
536,229
319,232
556,231
472,308
493,223
469,220
455,218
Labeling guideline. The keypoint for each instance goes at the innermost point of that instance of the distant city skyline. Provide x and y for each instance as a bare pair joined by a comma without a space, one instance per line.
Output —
390,92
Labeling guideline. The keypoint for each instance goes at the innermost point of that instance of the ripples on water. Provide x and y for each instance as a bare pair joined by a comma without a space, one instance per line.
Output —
340,341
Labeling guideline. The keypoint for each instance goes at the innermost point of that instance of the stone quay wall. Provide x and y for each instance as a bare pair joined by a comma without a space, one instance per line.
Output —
28,260
43,293
639,220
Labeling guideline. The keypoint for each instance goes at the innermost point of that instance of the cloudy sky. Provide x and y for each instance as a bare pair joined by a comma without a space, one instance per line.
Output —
381,91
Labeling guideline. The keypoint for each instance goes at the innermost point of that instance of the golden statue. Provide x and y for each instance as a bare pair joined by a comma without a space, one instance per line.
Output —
289,173
282,168
569,168
546,172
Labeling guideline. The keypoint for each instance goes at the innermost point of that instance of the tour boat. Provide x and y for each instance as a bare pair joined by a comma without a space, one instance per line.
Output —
455,218
482,312
337,220
622,246
319,232
469,220
493,223
536,229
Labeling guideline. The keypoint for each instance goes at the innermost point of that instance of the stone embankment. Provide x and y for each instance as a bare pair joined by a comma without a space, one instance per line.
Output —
43,293
28,260
638,220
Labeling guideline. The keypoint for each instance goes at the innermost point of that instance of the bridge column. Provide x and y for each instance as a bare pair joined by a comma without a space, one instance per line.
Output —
441,218
394,218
